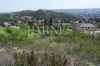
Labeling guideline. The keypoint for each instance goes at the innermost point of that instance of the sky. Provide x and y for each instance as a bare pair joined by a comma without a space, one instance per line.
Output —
17,5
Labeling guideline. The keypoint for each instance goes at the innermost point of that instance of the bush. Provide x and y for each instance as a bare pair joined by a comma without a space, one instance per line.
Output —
10,35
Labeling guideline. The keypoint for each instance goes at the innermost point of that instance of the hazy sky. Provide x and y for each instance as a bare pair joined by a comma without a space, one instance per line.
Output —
16,5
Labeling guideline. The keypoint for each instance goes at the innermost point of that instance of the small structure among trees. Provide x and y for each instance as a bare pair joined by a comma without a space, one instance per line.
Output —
84,27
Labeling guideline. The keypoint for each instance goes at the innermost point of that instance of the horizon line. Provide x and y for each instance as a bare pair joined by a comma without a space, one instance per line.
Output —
48,9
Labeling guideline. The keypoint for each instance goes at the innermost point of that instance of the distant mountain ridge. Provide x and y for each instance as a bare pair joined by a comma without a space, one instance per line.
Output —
95,11
38,13
56,12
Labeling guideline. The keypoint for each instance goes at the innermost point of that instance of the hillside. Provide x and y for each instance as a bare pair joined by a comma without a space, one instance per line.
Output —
38,13
56,12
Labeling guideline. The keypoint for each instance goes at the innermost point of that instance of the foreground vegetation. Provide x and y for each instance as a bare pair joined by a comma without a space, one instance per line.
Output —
51,49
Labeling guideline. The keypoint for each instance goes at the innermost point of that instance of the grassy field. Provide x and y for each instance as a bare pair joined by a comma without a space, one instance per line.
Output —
51,49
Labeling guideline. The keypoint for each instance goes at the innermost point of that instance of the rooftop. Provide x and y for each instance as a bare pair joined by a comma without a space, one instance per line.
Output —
86,25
